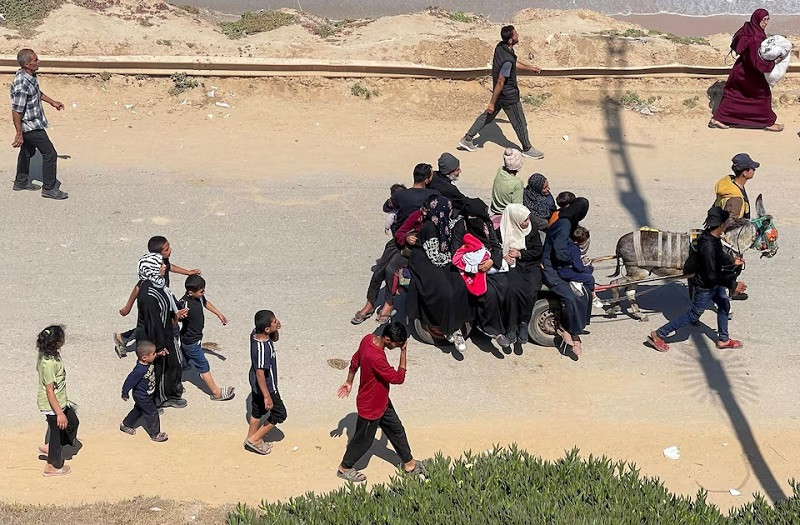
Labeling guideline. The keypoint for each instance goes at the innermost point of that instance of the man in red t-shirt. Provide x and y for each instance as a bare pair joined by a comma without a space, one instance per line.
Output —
374,407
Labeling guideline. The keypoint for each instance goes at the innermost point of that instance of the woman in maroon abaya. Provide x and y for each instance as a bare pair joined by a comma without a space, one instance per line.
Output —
747,98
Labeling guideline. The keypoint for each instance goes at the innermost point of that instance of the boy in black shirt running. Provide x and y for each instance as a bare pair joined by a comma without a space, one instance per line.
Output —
142,380
192,334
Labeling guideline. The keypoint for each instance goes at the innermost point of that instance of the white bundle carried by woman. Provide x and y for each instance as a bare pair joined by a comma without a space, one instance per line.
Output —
773,48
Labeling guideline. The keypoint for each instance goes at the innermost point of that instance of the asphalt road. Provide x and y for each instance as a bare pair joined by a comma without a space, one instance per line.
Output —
303,247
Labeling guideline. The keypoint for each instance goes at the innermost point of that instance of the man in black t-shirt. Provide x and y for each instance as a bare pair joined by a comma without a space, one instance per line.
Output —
505,95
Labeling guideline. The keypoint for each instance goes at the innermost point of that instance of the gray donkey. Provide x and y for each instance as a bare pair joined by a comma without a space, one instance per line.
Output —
663,253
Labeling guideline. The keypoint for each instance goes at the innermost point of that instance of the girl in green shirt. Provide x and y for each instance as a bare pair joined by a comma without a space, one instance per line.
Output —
53,402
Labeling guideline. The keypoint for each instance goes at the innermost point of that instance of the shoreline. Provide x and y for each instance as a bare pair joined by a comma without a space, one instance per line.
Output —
706,25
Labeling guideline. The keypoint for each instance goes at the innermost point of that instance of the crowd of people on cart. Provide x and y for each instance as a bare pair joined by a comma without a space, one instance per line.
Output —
464,262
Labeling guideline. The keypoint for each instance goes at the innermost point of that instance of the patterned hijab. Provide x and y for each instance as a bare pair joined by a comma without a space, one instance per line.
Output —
437,211
540,205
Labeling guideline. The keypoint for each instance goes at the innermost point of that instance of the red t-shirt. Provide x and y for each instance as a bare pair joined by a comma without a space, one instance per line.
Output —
376,376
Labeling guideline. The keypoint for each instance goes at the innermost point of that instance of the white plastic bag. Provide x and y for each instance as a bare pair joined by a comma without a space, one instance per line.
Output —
772,48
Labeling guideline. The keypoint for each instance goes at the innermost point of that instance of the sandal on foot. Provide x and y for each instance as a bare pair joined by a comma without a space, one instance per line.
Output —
63,471
383,319
360,318
351,474
160,437
119,346
225,394
259,448
729,344
657,343
127,430
716,124
775,128
419,469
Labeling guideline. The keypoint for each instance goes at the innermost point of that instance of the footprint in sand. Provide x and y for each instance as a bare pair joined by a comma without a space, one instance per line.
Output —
338,364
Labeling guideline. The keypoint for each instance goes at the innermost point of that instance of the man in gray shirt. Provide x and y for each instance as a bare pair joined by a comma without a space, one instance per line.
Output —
505,95
30,123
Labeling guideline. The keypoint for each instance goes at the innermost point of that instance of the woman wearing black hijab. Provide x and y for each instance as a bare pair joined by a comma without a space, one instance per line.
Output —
488,307
575,310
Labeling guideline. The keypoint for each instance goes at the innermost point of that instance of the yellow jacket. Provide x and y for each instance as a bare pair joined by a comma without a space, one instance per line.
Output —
727,190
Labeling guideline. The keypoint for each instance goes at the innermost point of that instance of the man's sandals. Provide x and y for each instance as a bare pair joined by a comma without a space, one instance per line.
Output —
356,476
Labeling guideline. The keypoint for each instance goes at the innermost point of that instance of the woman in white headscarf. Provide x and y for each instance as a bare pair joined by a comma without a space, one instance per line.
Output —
522,250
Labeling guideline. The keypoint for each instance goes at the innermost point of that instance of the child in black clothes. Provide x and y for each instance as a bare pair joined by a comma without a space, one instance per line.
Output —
142,380
192,334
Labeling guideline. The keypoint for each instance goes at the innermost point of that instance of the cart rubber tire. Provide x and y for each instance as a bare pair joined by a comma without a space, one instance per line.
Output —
426,336
542,325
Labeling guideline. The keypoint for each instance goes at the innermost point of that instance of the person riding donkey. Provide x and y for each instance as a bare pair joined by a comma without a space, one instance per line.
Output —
732,196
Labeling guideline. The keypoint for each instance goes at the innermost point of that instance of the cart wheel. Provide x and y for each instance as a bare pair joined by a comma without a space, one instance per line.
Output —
542,327
433,336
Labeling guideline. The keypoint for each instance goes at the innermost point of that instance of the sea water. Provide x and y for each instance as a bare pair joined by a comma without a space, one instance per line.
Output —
500,11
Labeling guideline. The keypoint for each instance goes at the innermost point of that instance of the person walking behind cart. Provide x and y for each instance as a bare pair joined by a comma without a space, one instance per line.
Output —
505,95
714,272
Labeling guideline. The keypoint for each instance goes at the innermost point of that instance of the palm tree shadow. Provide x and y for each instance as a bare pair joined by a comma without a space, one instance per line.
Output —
379,448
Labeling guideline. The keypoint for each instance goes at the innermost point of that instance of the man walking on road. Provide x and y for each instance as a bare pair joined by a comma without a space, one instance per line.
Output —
714,273
30,124
375,410
505,95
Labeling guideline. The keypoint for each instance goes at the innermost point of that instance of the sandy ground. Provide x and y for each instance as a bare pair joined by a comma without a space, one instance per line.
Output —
548,38
277,199
279,205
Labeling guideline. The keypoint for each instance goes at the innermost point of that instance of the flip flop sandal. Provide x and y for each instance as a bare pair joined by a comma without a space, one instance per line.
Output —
659,344
127,430
419,470
360,318
63,471
383,320
119,347
729,344
261,448
774,130
226,394
717,125
352,475
160,437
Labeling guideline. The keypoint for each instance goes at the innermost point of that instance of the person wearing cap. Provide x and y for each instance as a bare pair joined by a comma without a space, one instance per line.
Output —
507,188
444,181
714,274
731,194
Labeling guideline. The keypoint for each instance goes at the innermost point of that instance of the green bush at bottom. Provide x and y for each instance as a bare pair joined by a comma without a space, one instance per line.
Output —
509,486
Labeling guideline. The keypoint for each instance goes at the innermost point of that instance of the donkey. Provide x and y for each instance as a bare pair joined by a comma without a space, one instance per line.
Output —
663,253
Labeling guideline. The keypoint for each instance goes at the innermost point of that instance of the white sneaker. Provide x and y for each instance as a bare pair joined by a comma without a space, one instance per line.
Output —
458,340
533,153
467,144
600,305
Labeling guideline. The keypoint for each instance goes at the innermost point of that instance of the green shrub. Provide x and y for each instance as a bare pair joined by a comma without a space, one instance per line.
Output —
329,28
360,91
691,103
536,100
510,486
25,14
252,23
181,82
687,40
192,10
632,100
461,16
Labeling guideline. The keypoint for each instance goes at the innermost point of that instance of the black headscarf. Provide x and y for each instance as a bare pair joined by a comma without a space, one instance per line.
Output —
716,218
575,212
476,219
541,206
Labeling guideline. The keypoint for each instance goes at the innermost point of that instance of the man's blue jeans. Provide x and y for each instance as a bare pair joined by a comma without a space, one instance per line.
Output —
702,297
